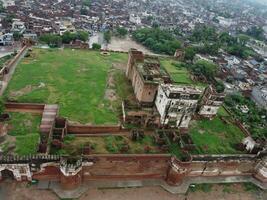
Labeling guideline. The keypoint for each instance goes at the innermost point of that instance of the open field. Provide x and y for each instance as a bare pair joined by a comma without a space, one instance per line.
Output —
216,136
75,79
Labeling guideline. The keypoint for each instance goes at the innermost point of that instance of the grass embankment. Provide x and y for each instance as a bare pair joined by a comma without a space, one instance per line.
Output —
74,79
216,136
25,128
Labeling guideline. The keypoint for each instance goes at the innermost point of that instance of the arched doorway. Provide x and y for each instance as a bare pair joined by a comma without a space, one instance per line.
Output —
7,174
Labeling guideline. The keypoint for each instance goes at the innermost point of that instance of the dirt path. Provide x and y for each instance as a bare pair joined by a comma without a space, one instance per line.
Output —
15,191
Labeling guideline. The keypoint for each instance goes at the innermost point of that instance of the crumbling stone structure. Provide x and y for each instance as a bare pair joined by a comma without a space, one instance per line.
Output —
176,104
210,102
145,74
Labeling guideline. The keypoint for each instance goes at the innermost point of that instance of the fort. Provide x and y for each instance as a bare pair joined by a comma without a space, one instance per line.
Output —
151,145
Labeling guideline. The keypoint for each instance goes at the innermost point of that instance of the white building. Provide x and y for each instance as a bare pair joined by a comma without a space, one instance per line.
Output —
135,19
6,39
176,104
259,95
18,26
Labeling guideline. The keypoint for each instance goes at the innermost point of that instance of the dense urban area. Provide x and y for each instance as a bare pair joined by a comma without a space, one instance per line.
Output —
133,93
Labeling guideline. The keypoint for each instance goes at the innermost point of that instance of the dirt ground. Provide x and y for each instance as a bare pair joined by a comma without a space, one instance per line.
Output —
15,191
124,44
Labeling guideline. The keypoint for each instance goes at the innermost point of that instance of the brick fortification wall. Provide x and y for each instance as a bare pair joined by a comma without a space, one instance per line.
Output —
127,167
160,166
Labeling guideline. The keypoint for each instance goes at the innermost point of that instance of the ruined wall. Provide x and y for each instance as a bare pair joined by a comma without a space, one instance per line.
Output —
7,68
83,129
24,107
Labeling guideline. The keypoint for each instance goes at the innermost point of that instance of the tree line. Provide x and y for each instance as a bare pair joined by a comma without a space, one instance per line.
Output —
55,40
157,40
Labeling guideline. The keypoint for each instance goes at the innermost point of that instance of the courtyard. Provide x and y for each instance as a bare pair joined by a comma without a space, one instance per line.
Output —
78,80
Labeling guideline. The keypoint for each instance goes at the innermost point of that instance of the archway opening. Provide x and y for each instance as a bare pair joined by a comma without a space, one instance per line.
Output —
7,174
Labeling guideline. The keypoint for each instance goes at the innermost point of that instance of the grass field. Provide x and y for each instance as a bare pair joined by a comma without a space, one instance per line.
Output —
25,128
74,79
215,136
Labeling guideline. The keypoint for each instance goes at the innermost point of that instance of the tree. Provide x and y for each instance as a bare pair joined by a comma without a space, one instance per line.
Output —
67,37
190,53
107,36
219,86
52,40
86,3
17,36
96,46
243,39
205,68
121,32
256,32
2,9
82,35
159,41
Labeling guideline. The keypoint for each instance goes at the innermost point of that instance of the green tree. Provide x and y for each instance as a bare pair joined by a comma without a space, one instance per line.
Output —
52,40
121,32
82,35
256,32
67,37
87,3
205,68
190,53
159,41
17,36
96,46
243,39
2,9
107,36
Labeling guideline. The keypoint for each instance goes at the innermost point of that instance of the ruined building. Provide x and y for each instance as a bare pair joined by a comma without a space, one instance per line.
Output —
145,74
176,104
210,102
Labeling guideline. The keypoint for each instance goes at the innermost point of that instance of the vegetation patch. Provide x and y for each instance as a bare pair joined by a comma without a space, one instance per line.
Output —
216,136
25,128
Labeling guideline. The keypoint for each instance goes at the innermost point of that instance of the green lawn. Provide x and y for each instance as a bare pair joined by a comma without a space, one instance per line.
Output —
215,136
74,79
25,128
108,145
179,74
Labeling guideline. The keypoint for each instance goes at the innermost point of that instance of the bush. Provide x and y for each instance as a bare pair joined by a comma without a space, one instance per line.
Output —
96,46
